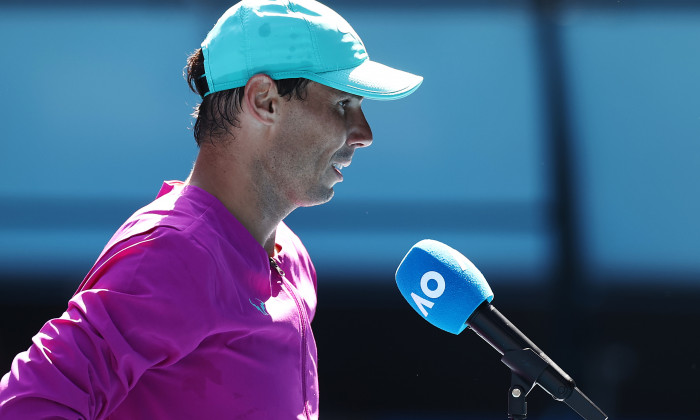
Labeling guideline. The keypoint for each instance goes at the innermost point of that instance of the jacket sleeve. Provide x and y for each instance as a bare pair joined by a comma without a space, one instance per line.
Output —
143,310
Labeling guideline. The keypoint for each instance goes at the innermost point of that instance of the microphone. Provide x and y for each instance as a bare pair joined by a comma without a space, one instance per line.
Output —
448,291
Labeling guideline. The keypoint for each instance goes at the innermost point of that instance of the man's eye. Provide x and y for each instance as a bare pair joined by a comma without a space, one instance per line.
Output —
344,103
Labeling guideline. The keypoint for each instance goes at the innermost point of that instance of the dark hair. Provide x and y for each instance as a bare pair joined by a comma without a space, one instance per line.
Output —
218,112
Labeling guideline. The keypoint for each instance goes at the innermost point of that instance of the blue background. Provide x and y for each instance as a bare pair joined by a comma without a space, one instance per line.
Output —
554,143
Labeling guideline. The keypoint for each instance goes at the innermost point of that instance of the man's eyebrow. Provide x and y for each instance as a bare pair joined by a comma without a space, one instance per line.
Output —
343,94
353,96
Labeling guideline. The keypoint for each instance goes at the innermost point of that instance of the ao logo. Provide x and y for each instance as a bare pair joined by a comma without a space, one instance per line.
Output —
432,293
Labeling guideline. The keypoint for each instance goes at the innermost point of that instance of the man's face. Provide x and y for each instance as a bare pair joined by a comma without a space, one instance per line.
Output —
316,140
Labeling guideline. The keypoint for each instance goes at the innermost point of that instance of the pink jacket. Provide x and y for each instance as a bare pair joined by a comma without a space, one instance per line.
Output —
181,317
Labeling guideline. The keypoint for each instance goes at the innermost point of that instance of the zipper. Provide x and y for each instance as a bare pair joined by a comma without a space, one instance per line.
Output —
288,288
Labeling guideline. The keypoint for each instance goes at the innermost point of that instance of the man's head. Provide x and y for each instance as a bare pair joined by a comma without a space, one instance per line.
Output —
282,84
287,40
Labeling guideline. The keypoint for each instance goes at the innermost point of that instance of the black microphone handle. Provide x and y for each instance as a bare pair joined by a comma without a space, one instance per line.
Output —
508,340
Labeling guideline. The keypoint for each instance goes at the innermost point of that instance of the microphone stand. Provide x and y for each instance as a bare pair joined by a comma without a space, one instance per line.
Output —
528,365
526,368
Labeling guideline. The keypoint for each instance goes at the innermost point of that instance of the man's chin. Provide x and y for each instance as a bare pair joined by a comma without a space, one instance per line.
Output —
319,197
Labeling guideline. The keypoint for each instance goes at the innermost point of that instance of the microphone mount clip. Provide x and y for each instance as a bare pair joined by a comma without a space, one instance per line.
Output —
526,366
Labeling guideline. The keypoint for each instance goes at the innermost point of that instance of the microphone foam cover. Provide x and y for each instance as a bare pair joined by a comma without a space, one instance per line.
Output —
441,284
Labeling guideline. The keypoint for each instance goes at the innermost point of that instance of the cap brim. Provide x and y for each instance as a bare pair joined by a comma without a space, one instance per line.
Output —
371,80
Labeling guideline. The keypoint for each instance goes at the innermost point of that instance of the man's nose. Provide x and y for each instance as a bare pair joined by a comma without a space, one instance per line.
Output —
360,133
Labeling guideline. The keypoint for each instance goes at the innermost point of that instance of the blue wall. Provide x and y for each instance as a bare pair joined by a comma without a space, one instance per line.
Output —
95,116
635,112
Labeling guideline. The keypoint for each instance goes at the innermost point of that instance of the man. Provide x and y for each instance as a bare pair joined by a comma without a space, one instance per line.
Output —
200,305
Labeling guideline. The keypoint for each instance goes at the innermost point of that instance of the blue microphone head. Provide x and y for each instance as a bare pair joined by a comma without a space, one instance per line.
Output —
441,284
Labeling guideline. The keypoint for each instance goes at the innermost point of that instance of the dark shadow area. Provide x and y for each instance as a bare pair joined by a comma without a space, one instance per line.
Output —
635,353
635,356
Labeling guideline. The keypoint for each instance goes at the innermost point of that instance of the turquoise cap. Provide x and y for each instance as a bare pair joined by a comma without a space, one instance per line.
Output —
296,38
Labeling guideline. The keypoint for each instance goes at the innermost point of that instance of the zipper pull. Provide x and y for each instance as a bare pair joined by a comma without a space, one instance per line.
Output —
276,266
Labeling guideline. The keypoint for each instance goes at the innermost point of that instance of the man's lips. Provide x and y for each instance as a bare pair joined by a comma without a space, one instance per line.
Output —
338,167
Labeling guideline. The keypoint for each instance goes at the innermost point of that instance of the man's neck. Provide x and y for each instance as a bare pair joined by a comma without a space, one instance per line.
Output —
256,209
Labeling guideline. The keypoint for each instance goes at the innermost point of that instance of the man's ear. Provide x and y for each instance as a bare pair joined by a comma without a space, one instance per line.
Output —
261,98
